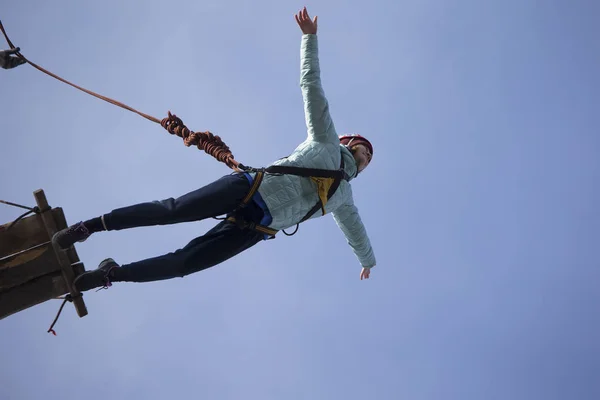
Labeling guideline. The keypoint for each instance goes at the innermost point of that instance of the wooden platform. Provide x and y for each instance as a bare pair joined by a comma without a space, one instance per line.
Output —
32,271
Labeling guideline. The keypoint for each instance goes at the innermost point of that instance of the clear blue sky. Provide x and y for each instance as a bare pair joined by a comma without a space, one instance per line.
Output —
481,201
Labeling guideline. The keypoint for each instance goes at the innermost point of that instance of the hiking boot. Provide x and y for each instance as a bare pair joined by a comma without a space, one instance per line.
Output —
71,235
99,277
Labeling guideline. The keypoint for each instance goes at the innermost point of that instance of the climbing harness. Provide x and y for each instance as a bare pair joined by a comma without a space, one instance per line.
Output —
327,181
243,223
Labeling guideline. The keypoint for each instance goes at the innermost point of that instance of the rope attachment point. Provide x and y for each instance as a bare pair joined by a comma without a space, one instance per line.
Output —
31,210
211,144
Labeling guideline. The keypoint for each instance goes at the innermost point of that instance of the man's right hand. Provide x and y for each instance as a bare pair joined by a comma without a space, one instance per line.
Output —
8,61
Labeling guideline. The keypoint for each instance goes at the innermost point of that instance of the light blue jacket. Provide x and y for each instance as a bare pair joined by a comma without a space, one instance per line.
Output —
290,197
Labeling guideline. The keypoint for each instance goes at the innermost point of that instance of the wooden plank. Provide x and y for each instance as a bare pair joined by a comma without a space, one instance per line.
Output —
21,267
78,268
27,232
62,257
61,223
34,292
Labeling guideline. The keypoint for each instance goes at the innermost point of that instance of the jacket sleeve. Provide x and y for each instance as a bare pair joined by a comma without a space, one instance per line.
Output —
316,108
348,220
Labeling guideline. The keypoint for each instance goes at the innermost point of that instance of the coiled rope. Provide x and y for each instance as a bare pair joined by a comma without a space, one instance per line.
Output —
211,144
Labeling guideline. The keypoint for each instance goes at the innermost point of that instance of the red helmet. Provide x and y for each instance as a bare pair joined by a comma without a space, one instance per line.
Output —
349,140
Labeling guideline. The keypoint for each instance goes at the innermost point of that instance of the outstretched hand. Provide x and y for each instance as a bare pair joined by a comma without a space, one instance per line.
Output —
8,61
364,274
308,26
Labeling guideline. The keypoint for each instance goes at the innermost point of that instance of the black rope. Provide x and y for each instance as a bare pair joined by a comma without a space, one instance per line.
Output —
30,210
17,205
293,233
66,298
18,219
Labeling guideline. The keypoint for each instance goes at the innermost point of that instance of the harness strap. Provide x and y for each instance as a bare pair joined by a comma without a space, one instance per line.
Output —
242,223
332,189
305,172
323,178
257,181
320,204
251,225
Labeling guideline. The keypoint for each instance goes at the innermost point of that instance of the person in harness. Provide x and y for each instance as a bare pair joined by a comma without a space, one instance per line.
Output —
257,203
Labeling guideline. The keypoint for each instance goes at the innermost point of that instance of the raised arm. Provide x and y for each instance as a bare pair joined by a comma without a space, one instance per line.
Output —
316,108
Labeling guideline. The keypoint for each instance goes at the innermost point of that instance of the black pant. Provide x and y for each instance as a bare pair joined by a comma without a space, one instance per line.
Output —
222,242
